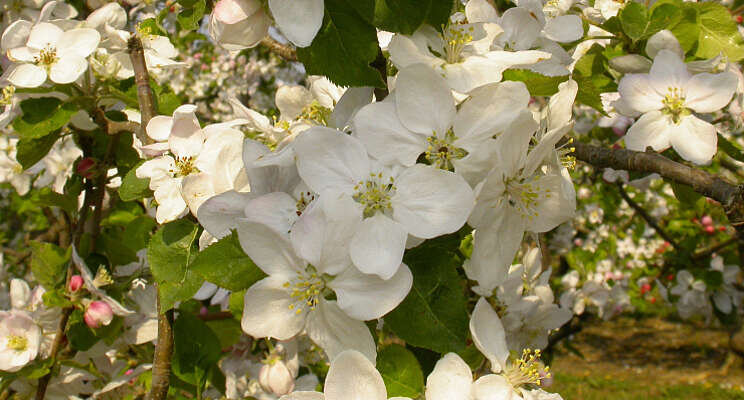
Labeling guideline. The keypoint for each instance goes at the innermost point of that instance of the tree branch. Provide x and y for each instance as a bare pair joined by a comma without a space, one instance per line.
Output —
142,79
161,364
282,50
643,214
730,196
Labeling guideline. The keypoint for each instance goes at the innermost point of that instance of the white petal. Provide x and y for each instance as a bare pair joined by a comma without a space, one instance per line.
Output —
80,42
521,29
409,50
480,11
352,377
663,39
299,20
652,129
159,128
490,109
365,297
267,312
638,93
20,294
378,127
334,331
424,100
44,34
494,248
494,387
488,335
694,140
265,179
27,76
16,35
723,302
450,380
348,105
68,69
328,159
303,396
186,138
270,250
430,202
668,70
322,234
550,210
706,93
378,246
564,28
277,210
170,203
474,72
196,189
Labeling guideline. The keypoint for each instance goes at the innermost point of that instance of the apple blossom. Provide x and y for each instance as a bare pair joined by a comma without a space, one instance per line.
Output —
20,340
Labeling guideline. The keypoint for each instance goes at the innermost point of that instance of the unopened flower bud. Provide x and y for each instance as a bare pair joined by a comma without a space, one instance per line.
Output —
76,282
707,220
98,313
276,378
86,167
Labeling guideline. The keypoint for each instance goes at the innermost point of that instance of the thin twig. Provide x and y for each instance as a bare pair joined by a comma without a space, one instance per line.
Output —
643,214
703,253
161,364
142,79
56,345
282,50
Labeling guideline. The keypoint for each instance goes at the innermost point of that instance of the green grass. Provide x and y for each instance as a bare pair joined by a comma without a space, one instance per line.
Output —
591,388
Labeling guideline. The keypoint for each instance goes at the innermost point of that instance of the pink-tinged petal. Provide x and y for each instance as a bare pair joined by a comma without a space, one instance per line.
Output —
299,20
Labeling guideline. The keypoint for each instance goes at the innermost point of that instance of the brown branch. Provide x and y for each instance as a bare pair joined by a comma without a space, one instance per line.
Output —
161,364
380,64
142,79
730,196
643,214
702,253
282,50
56,345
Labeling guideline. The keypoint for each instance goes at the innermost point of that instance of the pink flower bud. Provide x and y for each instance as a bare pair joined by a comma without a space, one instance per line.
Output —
76,282
707,220
86,167
709,229
98,313
276,378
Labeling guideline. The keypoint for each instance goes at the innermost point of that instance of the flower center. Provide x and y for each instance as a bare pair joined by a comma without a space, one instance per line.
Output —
455,39
47,57
674,104
375,194
17,343
316,113
7,96
565,154
303,202
526,370
441,152
305,289
17,168
524,196
184,166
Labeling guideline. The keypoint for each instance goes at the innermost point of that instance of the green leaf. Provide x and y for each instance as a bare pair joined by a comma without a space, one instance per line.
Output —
634,19
537,84
42,116
80,335
662,17
150,26
225,264
403,16
685,194
439,12
31,151
192,14
120,245
47,197
434,315
718,33
401,371
730,148
196,350
228,331
133,188
591,75
170,251
344,48
49,264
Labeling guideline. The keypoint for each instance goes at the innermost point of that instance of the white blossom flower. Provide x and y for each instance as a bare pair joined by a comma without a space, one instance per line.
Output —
421,200
351,376
667,97
20,340
238,24
693,296
45,50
